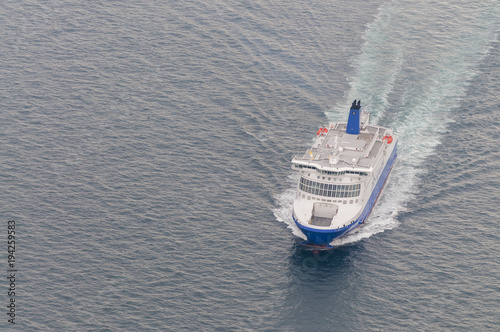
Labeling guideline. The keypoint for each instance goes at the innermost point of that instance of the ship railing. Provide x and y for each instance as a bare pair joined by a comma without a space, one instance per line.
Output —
302,155
372,142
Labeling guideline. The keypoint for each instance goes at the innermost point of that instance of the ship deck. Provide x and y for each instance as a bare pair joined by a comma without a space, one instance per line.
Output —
357,151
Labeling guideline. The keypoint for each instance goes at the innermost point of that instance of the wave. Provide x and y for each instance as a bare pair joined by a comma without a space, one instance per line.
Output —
413,70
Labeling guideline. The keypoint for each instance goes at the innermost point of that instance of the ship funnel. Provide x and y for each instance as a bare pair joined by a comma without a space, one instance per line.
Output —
353,122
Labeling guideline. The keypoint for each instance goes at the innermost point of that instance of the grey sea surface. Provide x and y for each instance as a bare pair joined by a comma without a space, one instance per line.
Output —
145,155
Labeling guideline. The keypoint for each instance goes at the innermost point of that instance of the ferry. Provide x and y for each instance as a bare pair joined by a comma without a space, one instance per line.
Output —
341,177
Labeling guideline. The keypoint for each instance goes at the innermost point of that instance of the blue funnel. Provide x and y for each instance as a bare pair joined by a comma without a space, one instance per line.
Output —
353,122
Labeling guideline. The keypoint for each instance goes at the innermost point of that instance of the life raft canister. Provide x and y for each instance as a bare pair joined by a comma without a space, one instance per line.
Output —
388,138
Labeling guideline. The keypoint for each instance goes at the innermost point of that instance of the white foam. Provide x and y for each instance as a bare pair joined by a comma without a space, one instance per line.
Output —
419,101
283,212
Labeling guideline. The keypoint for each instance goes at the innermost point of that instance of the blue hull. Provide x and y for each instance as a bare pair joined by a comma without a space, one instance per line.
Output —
324,237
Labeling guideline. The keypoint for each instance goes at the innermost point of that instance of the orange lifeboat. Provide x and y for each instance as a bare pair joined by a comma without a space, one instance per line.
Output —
388,138
322,131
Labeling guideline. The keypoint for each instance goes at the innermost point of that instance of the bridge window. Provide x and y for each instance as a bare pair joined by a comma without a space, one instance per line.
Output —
329,190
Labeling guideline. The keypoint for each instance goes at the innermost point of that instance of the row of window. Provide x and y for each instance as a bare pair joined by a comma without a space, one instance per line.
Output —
343,201
329,190
331,173
357,173
304,166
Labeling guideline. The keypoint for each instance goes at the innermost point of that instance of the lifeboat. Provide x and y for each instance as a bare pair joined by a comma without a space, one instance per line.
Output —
322,131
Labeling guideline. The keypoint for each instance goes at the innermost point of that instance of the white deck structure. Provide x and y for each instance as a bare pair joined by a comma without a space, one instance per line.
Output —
339,174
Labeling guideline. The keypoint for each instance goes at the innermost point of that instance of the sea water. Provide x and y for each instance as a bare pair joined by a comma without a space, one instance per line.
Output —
146,155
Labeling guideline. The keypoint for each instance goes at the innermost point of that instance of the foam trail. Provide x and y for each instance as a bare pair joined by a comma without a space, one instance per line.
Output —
422,111
413,70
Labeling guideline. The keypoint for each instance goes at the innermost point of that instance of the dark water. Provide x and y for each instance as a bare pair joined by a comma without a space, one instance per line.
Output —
146,151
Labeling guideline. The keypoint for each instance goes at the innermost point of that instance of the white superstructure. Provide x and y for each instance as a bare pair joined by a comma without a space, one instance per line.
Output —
341,176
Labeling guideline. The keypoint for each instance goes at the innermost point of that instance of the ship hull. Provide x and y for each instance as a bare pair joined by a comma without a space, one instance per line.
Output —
323,237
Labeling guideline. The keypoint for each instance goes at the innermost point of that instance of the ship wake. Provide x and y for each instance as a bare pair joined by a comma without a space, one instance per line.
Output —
410,76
